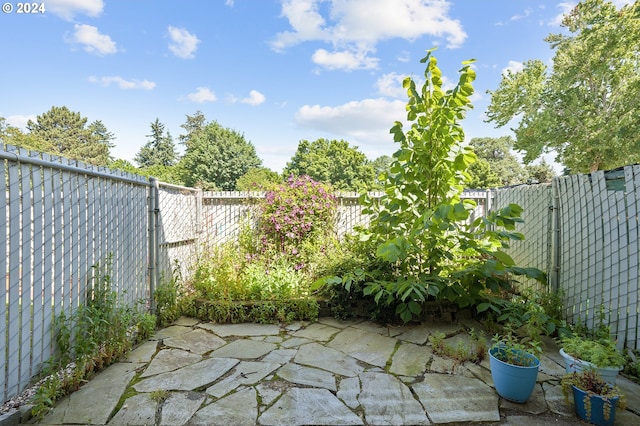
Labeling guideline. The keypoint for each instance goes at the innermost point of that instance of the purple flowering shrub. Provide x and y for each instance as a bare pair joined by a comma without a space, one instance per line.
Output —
294,215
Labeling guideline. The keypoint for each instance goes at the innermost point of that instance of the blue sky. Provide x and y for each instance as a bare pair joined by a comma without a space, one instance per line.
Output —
278,71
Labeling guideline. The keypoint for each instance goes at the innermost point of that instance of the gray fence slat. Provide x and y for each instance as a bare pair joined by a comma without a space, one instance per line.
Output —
26,284
13,304
3,267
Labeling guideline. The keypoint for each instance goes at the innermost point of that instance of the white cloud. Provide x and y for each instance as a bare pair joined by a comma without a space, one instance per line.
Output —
20,121
513,67
183,44
92,40
526,13
344,60
255,98
68,9
391,85
355,27
122,83
364,123
202,95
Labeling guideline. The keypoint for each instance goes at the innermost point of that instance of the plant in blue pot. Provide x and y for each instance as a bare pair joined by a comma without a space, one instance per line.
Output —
515,362
595,400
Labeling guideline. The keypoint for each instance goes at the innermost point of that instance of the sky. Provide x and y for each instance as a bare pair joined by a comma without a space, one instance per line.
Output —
276,71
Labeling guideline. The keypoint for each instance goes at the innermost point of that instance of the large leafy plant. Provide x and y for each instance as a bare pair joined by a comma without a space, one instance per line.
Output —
420,226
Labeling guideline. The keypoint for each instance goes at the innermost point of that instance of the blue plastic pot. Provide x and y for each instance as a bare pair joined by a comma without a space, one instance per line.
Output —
513,382
596,415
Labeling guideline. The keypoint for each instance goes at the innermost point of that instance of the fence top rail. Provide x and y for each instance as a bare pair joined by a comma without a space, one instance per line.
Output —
13,153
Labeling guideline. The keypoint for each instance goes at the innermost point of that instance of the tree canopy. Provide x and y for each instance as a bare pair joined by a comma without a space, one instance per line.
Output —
585,107
159,149
216,157
334,162
63,132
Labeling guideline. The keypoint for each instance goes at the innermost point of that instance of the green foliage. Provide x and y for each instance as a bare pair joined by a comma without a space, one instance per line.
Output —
97,334
333,162
62,132
419,227
583,107
167,297
513,348
259,179
159,149
263,311
217,157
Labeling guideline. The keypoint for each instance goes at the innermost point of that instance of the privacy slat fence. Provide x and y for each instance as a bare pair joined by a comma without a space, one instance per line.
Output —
59,219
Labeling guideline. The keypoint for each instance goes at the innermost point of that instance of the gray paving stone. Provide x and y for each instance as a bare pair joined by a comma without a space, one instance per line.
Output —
186,322
244,349
348,391
449,399
551,368
240,408
143,353
316,355
317,332
295,342
372,328
417,335
242,330
334,322
245,373
301,375
280,356
441,364
449,329
179,407
388,401
197,341
410,360
535,405
372,348
300,406
107,387
190,377
170,360
556,401
140,409
267,394
171,331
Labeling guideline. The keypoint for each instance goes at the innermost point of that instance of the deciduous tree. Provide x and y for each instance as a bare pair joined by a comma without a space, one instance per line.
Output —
216,157
334,162
585,107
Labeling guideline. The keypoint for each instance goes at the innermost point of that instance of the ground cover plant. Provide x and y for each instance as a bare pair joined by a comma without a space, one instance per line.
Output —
423,244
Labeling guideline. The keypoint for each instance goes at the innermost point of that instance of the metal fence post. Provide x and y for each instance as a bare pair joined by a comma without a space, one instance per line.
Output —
153,252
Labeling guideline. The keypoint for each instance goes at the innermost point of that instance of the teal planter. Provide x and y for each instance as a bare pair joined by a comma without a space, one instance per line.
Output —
597,413
513,382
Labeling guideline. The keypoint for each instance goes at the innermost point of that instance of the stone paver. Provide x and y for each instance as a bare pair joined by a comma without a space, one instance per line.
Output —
310,407
179,407
245,373
244,349
169,360
388,401
366,346
301,375
188,378
240,408
449,398
328,359
410,360
138,410
327,373
197,341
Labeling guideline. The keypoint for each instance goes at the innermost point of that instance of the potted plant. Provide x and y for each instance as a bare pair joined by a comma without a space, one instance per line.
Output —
585,353
514,362
594,399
